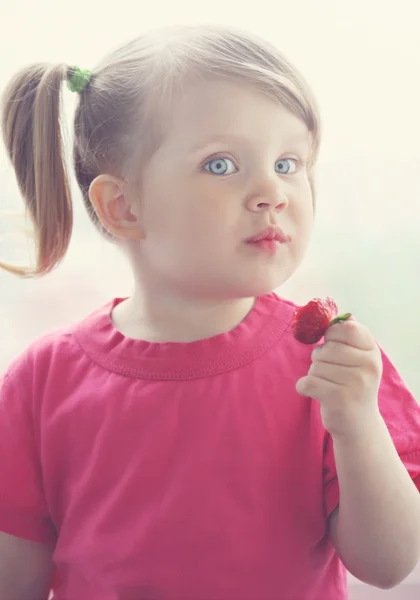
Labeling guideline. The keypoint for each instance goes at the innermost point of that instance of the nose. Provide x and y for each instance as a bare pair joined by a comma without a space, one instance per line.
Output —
267,195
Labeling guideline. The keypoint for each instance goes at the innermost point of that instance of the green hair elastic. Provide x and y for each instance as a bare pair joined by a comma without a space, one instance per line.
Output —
78,79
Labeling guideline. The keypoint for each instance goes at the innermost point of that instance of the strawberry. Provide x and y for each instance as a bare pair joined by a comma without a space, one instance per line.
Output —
310,322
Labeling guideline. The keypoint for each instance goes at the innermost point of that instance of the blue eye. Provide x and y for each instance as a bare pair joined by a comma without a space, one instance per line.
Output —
220,166
282,166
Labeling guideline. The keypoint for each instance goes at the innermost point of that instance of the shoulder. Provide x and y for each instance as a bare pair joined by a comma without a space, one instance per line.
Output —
56,349
399,408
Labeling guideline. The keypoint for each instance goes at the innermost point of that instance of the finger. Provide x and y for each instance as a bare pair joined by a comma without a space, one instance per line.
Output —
351,332
338,353
336,374
313,387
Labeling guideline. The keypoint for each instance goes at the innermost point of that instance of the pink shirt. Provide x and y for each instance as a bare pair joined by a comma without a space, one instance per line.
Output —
179,471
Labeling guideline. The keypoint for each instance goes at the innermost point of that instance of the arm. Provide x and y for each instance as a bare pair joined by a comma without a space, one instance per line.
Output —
376,530
26,569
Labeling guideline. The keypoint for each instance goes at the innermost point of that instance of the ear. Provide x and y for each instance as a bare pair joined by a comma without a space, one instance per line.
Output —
113,203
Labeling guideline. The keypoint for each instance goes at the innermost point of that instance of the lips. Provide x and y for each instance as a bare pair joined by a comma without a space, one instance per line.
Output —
270,234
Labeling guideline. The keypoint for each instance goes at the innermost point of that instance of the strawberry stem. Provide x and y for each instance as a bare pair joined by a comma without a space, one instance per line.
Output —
340,319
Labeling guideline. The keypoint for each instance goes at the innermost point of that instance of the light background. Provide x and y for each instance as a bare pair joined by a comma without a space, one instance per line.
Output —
362,59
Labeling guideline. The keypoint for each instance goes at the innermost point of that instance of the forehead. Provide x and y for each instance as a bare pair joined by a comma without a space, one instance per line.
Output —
211,108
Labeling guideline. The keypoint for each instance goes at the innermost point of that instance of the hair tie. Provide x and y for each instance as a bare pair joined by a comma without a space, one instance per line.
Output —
78,79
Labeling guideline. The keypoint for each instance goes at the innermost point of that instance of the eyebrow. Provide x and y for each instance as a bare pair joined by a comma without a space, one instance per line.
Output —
215,138
302,137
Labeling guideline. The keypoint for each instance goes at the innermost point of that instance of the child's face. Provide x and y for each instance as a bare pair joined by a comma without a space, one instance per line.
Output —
227,168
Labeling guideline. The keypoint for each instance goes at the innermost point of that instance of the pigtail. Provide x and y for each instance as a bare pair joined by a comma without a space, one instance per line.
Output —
31,127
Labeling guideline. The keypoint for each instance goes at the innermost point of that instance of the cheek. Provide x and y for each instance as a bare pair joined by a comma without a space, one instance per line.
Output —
303,218
304,209
175,223
197,214
306,221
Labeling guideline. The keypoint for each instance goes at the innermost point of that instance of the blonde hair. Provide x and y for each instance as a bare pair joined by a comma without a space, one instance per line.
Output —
121,115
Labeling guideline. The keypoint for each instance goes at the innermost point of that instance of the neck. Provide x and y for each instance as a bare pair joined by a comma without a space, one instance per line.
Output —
173,319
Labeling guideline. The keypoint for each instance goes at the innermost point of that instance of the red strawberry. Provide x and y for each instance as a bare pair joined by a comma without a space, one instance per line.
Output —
310,322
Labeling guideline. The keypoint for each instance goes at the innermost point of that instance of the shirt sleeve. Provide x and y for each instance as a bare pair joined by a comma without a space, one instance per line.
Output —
23,510
401,413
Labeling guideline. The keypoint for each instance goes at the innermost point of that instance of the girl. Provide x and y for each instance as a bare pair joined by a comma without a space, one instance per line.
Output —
180,444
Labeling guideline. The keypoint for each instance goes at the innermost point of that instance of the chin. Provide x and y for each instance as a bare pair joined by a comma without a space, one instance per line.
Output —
258,287
268,285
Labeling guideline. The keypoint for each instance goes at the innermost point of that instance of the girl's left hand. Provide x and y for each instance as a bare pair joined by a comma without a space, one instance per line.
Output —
344,377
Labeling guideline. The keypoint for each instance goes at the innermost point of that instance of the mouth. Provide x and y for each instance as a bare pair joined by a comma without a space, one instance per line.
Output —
270,234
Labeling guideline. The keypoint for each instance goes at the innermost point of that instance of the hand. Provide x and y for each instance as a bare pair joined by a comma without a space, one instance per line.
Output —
344,377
